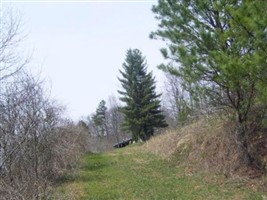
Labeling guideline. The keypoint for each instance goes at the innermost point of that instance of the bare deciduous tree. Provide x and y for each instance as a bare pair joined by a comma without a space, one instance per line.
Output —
115,118
36,144
11,62
176,101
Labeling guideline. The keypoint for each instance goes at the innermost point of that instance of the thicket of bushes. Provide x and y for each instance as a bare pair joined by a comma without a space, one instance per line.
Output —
37,145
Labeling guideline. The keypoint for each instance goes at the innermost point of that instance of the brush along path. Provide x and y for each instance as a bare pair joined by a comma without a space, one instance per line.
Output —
129,173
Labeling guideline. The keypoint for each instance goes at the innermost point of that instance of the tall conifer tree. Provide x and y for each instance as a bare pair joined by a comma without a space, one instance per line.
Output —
142,105
99,119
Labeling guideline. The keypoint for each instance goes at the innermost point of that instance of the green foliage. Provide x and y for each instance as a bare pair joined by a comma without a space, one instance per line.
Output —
99,118
142,106
219,48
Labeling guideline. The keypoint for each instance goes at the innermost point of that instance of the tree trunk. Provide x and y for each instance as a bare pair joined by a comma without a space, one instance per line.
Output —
243,141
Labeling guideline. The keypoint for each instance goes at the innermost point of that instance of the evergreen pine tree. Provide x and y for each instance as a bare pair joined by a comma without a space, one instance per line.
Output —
220,47
142,105
99,119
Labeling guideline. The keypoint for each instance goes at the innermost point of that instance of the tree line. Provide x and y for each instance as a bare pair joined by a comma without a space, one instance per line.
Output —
216,53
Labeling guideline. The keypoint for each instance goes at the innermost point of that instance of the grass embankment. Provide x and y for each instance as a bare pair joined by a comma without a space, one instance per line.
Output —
131,173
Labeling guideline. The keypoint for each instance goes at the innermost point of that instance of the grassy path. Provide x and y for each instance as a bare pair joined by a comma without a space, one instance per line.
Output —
130,174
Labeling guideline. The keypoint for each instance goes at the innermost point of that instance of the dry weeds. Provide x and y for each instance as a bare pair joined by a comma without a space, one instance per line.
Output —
207,145
164,144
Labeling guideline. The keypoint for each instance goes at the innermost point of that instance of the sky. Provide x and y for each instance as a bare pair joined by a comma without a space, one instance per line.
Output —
79,47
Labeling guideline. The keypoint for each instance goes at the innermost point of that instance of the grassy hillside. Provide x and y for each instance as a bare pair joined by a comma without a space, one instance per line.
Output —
133,173
210,145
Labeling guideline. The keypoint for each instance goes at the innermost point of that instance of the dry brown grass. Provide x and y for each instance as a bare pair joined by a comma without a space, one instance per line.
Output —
164,144
213,146
207,145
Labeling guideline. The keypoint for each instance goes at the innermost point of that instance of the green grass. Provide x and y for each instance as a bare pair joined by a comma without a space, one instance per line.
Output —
130,174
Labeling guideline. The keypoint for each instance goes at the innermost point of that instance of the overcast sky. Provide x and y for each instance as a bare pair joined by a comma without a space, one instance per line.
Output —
80,47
